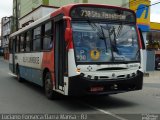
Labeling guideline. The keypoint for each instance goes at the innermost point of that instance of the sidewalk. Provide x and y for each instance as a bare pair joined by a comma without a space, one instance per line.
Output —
2,59
154,77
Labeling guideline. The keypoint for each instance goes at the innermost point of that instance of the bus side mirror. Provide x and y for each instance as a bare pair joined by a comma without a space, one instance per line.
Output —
68,34
68,31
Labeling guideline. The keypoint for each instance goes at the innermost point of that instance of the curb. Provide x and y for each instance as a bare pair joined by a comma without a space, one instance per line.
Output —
2,59
145,74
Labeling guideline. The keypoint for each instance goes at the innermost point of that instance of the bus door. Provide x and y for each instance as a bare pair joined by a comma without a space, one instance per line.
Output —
13,44
60,53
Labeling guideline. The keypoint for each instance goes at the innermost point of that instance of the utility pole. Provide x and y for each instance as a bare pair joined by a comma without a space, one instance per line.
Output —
1,33
16,16
76,1
45,2
85,1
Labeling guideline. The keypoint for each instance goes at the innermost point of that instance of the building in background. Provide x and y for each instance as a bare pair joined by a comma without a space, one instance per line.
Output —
153,42
23,7
36,14
6,30
150,31
142,10
153,37
122,3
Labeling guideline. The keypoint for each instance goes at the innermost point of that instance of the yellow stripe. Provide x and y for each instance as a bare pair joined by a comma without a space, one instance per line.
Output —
155,26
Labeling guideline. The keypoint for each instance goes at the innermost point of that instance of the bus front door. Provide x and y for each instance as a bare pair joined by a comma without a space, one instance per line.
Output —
60,54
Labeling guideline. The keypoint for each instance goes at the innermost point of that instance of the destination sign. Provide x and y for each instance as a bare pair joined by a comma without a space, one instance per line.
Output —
103,13
97,14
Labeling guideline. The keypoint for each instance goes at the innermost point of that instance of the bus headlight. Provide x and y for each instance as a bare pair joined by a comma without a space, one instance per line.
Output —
78,70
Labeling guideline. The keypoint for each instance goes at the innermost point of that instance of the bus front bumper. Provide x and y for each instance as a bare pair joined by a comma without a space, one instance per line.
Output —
79,85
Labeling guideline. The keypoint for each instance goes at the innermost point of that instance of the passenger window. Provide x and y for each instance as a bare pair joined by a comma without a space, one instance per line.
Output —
11,45
17,44
28,44
37,39
22,43
47,39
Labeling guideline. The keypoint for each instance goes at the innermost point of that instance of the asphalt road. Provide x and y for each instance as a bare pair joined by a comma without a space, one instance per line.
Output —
26,98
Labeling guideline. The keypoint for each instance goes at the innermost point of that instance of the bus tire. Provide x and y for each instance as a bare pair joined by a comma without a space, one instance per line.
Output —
48,86
18,75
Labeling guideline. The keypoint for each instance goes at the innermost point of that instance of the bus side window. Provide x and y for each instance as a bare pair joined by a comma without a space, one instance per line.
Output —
28,44
22,43
48,36
17,43
37,39
11,45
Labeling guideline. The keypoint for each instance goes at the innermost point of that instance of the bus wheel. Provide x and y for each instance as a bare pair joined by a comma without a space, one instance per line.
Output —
50,94
18,75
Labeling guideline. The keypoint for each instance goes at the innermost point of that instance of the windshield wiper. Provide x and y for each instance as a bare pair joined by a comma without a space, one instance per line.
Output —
109,33
100,33
95,28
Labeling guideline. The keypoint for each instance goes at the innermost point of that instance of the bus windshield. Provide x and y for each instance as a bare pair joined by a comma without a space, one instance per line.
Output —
99,42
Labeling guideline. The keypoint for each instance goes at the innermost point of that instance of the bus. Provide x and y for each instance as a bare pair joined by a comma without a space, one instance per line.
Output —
80,49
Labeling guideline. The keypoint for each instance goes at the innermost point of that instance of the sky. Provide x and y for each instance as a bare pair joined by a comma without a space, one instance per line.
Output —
6,10
155,11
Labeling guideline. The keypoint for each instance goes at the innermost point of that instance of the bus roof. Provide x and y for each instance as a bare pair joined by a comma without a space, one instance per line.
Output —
66,11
